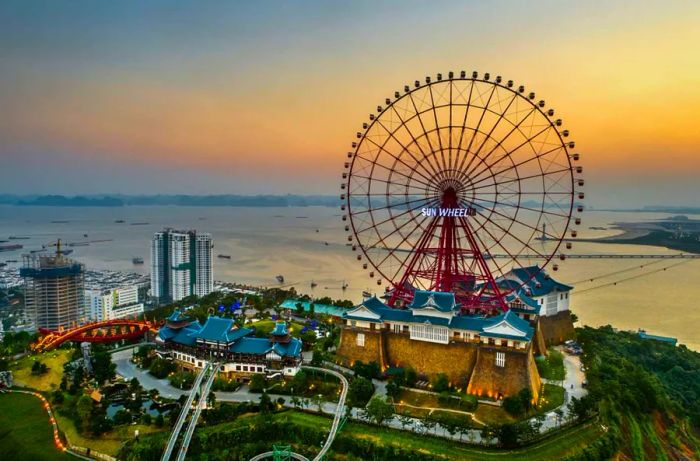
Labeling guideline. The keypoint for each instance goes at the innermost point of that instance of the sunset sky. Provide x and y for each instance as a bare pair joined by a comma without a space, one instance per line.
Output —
222,97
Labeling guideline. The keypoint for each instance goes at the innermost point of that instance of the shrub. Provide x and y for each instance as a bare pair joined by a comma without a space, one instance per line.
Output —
441,383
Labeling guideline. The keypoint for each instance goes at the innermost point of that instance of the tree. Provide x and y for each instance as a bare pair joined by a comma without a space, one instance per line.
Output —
392,389
525,396
508,435
583,407
266,405
299,309
84,410
441,383
257,383
39,368
379,410
211,399
160,421
410,376
513,405
102,367
359,392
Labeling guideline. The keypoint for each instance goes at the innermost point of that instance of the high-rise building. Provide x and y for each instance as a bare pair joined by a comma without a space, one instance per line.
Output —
113,303
181,264
54,290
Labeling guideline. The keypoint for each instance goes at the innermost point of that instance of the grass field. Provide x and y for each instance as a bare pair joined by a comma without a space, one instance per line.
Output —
266,326
25,430
552,366
108,443
556,447
49,381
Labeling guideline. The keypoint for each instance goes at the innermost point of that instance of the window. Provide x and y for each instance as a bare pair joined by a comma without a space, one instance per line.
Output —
430,333
245,367
500,359
238,368
361,339
353,323
397,328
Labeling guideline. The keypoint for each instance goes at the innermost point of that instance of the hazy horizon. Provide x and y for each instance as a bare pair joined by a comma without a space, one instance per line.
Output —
236,98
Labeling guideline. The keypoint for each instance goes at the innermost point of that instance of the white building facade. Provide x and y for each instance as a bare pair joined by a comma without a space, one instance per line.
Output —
181,264
116,303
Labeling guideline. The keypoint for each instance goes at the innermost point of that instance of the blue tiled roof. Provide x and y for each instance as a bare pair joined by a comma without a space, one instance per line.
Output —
251,346
261,346
528,301
185,336
280,329
539,283
512,319
444,302
176,316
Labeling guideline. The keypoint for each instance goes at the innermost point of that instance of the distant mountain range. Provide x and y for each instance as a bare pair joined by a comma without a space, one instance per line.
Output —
179,200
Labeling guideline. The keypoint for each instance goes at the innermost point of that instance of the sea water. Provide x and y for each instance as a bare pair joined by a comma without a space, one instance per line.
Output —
309,244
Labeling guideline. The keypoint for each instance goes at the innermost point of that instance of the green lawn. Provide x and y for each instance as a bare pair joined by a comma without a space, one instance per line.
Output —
266,326
552,398
556,447
552,366
49,381
25,430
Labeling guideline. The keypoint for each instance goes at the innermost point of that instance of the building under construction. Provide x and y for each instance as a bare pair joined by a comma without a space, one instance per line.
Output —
54,290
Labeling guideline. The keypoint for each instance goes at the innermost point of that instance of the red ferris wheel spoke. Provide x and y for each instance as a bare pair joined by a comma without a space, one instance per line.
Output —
488,136
391,217
507,136
514,180
514,166
398,159
369,210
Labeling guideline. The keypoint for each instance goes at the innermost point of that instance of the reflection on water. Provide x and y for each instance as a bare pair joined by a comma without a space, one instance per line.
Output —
308,244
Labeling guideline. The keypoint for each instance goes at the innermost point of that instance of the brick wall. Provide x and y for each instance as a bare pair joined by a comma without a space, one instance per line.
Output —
350,352
455,360
556,329
518,373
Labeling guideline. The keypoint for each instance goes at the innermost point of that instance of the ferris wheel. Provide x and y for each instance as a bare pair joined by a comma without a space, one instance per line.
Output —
457,180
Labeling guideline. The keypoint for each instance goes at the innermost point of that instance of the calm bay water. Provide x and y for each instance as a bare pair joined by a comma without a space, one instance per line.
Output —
265,242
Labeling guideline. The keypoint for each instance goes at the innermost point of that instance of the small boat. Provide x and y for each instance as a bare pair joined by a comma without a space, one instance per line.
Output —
11,261
85,235
37,251
17,237
79,244
366,294
317,231
280,278
137,260
60,222
325,243
66,252
10,247
3,264
119,221
345,286
313,284
225,256
139,223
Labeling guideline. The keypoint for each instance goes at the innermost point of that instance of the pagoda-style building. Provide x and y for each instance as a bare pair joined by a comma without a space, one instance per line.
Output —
490,356
191,345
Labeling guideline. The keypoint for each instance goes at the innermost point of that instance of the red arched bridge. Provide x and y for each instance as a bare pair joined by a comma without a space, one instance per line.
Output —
95,332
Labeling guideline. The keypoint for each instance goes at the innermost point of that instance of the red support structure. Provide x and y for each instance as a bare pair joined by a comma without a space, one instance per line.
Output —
453,264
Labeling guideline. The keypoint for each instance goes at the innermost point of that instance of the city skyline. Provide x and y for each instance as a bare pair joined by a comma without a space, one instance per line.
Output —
220,98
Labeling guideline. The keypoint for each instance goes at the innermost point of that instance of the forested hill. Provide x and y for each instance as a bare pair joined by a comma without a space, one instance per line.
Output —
647,393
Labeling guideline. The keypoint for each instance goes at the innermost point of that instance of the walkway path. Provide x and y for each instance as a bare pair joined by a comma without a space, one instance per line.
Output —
572,363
